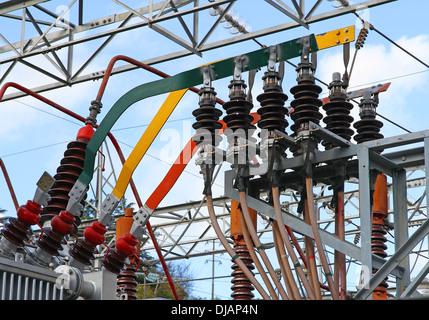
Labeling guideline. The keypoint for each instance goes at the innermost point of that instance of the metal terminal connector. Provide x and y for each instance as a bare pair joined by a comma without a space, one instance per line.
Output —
76,194
140,220
16,233
272,60
44,184
94,110
107,207
208,76
208,154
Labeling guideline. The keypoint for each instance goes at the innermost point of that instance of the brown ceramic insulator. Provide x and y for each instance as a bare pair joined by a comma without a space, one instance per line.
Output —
51,242
378,239
242,287
238,118
114,261
368,128
53,238
272,110
17,231
305,105
207,119
127,282
338,119
71,166
83,251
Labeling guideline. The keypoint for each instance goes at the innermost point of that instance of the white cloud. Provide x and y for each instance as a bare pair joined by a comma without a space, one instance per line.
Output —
386,63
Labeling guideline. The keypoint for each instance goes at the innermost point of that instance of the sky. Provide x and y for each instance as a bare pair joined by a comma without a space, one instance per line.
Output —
34,136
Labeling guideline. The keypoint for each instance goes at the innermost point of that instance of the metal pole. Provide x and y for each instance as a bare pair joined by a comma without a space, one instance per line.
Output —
365,213
401,225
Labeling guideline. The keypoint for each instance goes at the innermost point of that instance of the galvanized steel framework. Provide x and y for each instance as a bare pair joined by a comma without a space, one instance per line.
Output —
405,168
55,34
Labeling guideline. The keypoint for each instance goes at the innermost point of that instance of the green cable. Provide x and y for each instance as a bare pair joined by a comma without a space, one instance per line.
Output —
187,79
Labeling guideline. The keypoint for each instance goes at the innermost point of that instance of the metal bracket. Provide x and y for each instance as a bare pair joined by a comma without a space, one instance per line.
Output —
327,135
208,75
240,64
306,50
335,37
273,57
44,184
107,207
373,90
76,194
140,220
205,155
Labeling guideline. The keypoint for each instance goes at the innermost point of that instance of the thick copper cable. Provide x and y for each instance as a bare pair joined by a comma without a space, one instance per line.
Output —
224,241
255,259
122,158
9,184
258,244
282,257
301,253
240,235
317,239
286,241
311,258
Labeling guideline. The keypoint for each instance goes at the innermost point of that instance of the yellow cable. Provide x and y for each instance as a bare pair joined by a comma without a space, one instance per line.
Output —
146,140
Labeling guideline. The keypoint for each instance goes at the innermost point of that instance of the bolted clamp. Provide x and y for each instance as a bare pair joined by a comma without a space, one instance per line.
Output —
76,194
107,207
273,57
44,184
140,220
208,75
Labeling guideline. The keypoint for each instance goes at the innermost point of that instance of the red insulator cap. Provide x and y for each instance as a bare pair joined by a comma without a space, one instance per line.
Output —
29,213
85,133
127,244
95,233
63,223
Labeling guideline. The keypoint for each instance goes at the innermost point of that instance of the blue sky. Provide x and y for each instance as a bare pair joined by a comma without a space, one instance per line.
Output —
33,141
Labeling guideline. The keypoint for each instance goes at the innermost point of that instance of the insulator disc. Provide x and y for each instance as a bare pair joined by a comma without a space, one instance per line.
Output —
338,119
368,129
305,105
272,111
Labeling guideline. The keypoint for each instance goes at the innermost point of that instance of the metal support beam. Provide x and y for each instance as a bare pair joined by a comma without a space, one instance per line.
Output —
299,226
365,211
67,38
393,261
12,5
410,290
401,224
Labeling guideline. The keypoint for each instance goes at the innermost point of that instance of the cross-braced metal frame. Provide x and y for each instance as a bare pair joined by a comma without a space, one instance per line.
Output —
55,38
58,27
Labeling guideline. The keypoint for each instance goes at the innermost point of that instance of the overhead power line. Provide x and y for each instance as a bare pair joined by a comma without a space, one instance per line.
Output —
371,26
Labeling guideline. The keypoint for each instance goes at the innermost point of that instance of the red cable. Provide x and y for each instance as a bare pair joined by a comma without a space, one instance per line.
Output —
121,156
9,184
138,64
